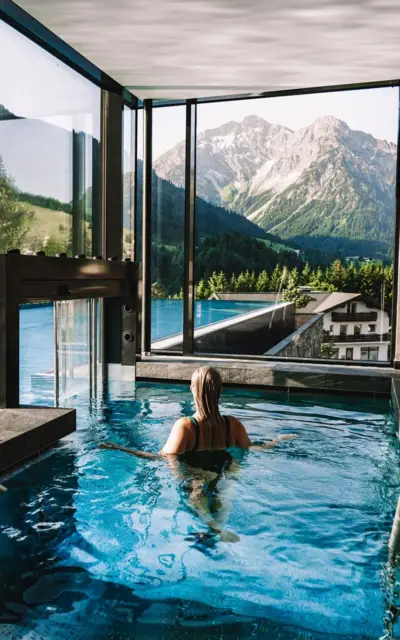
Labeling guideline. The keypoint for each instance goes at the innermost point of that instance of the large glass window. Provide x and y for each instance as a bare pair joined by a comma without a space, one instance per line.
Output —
295,217
168,225
49,152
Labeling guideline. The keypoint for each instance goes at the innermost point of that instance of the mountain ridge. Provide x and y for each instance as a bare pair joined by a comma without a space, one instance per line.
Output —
324,179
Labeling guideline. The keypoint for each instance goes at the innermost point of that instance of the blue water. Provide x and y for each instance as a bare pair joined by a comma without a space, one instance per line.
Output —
37,332
97,544
167,315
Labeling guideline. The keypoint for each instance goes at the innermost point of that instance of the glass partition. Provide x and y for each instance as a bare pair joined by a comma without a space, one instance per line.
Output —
49,151
168,225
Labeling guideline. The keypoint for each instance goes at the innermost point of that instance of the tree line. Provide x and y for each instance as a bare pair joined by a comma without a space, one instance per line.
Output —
374,280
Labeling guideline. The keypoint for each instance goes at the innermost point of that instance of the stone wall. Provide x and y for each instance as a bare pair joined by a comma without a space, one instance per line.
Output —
305,342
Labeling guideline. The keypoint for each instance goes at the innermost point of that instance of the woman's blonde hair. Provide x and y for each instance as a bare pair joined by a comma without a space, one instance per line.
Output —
206,388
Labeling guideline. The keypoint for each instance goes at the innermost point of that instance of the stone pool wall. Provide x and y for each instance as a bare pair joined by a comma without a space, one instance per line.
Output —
305,342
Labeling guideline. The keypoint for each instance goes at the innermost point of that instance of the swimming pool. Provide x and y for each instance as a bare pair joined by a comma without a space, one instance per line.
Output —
98,544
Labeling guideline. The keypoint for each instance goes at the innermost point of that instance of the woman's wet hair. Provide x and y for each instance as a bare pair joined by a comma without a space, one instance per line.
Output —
206,388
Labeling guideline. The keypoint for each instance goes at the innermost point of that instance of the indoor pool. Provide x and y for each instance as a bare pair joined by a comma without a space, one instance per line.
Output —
99,545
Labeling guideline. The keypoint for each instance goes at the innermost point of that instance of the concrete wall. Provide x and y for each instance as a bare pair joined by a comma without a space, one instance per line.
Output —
305,342
250,333
253,335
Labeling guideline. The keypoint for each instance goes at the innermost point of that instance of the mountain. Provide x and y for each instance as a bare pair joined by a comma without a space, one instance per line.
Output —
227,158
324,186
169,208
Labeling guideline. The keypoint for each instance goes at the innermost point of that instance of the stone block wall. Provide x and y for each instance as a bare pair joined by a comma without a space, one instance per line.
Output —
305,342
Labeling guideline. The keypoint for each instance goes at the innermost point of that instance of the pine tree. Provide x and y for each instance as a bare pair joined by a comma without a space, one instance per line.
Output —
202,292
233,283
276,279
305,275
293,278
262,282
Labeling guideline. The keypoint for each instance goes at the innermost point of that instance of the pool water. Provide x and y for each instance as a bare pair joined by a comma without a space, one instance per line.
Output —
98,544
37,333
167,315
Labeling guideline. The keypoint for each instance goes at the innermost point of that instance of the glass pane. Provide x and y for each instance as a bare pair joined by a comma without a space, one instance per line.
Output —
129,183
36,349
295,222
49,151
169,127
79,354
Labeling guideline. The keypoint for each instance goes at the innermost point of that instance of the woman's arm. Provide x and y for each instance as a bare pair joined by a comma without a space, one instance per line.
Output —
270,444
133,452
243,441
175,444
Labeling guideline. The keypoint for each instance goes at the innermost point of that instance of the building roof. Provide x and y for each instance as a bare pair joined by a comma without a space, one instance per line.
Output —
324,301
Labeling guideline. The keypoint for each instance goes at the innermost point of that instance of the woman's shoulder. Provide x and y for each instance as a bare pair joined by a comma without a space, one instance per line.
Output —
237,432
184,423
233,421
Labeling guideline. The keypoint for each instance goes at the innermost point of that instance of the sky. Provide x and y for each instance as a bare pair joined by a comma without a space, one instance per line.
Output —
33,84
374,111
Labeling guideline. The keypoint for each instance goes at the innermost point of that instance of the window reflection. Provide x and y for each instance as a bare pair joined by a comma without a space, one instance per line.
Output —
49,151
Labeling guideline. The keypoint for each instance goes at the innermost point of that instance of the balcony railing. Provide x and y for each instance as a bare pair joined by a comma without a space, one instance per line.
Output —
369,316
362,337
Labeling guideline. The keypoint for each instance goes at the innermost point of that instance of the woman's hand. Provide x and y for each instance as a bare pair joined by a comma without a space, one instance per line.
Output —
287,436
107,445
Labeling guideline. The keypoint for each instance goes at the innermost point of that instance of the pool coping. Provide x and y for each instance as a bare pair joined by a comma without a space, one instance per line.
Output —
360,380
26,431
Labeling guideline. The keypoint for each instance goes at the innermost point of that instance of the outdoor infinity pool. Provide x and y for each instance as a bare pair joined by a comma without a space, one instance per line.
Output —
100,545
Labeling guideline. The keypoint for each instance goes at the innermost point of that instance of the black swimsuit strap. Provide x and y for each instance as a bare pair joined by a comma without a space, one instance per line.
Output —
196,433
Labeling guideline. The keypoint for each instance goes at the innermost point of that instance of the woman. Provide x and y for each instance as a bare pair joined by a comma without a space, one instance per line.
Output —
201,442
207,430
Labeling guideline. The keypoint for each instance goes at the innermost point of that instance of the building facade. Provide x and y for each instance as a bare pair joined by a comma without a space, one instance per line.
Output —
358,331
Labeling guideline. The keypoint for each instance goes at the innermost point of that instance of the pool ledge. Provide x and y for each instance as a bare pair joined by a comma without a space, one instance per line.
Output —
294,375
27,431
